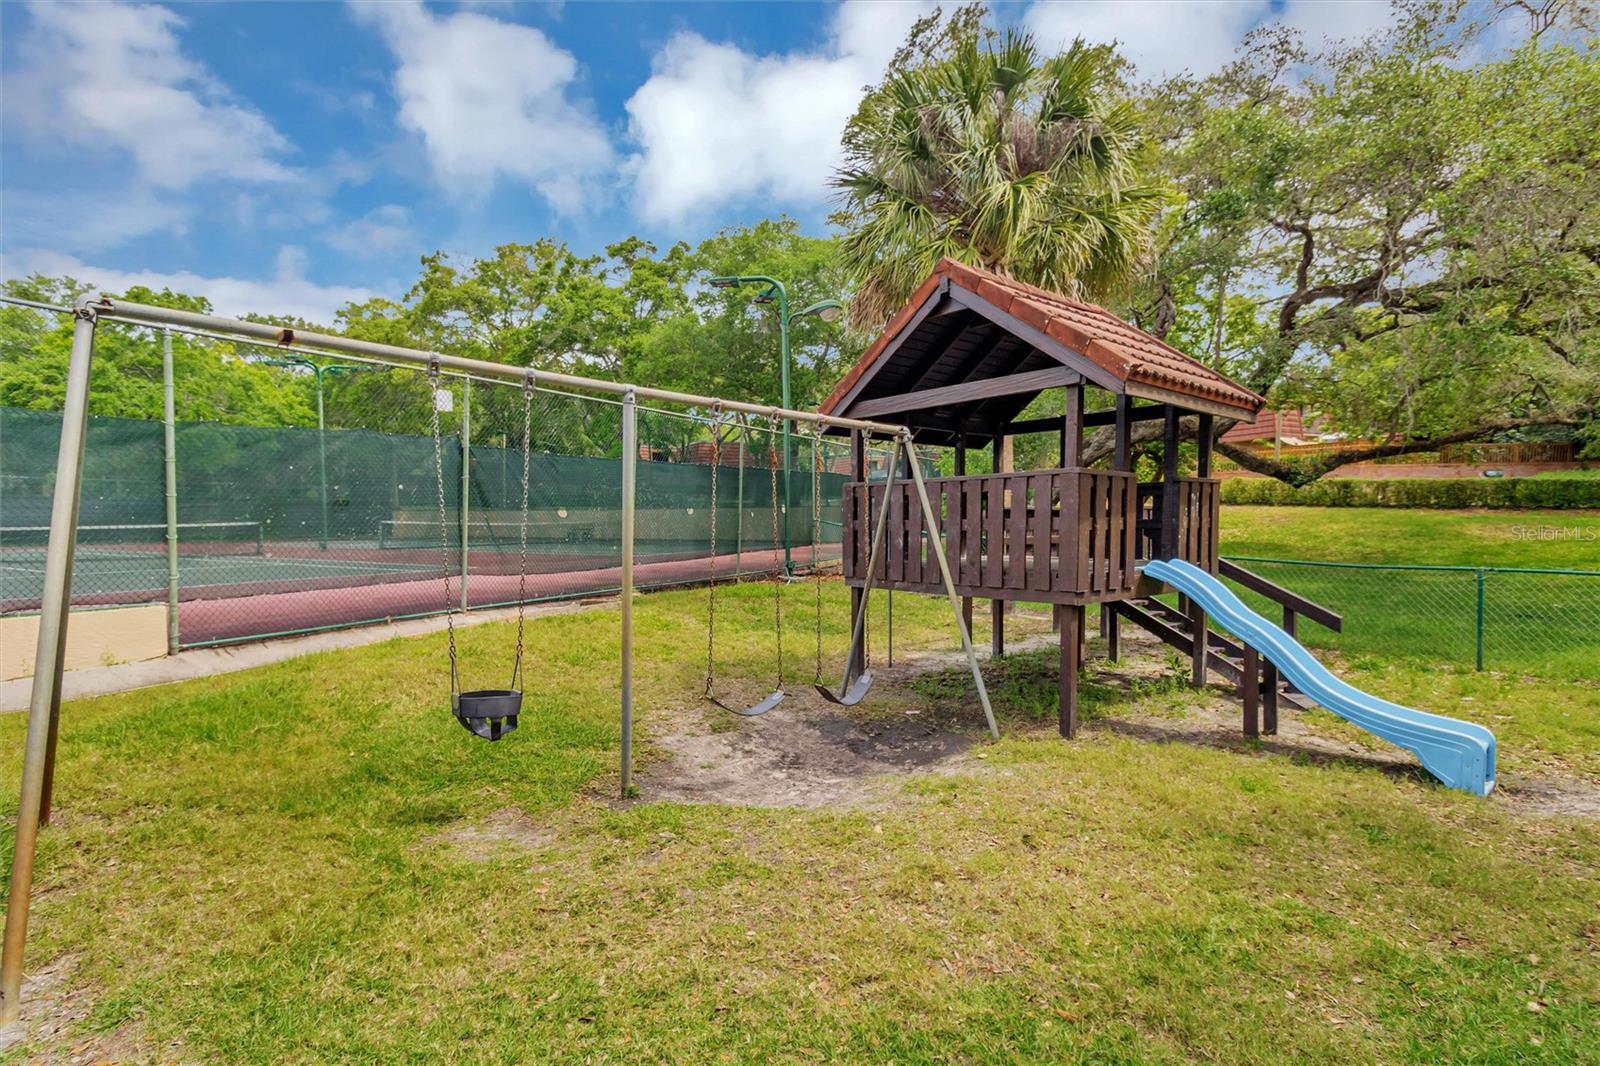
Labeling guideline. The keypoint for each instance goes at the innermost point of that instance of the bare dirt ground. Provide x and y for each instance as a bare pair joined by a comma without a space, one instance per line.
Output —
483,840
809,753
53,1006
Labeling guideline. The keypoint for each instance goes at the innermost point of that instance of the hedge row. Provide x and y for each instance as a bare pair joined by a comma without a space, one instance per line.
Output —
1510,492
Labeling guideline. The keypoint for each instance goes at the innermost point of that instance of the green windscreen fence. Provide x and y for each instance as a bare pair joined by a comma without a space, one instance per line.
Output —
288,529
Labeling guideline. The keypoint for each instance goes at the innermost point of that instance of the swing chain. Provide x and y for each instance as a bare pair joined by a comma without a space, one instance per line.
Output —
522,529
777,547
711,586
444,520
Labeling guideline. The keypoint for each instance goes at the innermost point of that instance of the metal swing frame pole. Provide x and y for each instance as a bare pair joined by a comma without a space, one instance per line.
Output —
466,484
738,522
169,420
630,470
44,705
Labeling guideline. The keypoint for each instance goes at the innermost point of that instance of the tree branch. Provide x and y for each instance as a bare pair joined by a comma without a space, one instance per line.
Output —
1304,472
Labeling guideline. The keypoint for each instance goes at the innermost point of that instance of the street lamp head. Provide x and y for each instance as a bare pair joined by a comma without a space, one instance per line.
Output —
724,283
827,310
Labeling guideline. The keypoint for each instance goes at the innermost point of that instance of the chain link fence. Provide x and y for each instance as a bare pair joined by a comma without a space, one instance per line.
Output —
330,518
1511,619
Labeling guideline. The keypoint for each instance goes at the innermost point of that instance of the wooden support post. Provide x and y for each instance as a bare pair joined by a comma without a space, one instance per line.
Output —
1005,461
1269,699
1199,635
1168,547
1122,459
1072,429
1111,626
1203,446
997,625
959,500
1250,690
1290,619
1067,711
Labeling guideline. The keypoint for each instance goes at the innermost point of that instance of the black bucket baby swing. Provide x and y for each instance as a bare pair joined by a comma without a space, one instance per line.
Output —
489,713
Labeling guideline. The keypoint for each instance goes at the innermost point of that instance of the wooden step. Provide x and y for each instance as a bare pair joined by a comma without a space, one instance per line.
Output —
1224,654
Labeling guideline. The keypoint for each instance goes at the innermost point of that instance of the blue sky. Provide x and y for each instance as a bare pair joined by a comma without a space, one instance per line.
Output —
287,157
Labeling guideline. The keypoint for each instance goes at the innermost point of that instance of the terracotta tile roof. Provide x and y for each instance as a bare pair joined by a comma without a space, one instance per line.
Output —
1267,425
1121,348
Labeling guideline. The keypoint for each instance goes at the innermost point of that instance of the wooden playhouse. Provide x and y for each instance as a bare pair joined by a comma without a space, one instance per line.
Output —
958,365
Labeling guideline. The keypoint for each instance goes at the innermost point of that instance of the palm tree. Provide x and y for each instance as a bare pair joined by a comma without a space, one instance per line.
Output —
999,157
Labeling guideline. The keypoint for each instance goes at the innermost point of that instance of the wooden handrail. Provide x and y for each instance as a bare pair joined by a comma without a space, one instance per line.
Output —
1123,474
1291,600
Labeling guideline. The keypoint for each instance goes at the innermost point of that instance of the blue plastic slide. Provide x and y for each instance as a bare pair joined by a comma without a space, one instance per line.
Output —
1458,753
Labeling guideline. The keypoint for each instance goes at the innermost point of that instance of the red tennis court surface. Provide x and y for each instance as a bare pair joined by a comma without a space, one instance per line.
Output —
218,619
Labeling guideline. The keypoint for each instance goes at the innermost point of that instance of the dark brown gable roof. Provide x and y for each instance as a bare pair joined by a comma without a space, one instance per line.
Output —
1119,355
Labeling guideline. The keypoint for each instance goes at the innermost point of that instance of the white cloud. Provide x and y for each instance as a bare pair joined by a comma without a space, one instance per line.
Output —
89,221
716,124
112,75
490,100
1167,37
380,231
287,294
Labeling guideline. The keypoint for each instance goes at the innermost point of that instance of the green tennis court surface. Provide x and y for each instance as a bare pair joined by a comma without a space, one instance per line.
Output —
102,573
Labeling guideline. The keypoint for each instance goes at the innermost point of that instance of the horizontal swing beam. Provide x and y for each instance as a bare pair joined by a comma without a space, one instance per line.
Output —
144,314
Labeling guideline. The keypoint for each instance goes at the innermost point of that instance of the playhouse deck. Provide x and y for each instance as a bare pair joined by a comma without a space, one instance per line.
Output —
1063,536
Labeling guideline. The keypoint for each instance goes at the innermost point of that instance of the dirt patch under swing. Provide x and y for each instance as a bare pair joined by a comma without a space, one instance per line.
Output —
809,753
489,837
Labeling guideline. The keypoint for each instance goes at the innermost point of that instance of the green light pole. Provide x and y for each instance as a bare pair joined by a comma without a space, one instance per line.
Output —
827,310
317,371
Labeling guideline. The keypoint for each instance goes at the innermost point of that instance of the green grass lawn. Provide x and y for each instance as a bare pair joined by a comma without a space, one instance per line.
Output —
1544,624
253,865
1547,539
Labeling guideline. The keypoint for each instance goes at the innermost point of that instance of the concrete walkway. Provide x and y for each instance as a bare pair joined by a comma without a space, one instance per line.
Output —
207,662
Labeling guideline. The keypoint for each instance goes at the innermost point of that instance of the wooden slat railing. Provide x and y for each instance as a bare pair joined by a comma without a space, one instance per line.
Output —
1195,538
1048,534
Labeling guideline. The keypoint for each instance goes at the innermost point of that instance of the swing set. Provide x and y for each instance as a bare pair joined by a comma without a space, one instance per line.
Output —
488,713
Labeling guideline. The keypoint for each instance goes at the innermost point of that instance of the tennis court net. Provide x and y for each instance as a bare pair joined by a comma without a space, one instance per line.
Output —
141,538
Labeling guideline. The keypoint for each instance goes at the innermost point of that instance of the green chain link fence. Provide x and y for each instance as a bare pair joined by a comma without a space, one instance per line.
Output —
1509,619
335,521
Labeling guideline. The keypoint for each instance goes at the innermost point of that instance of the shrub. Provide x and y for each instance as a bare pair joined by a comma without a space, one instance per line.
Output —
1444,493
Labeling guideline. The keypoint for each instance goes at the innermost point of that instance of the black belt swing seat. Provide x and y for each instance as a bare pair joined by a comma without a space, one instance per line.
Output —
851,691
490,713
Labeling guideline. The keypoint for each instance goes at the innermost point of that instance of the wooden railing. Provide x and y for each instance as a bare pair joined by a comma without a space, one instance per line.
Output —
1190,533
1058,535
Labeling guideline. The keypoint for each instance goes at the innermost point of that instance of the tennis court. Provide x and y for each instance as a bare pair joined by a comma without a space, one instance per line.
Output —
270,544
235,583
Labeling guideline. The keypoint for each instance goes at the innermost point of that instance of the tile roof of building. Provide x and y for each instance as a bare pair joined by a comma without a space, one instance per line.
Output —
1122,349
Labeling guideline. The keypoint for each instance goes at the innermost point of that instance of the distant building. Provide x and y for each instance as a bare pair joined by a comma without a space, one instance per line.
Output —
1283,427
